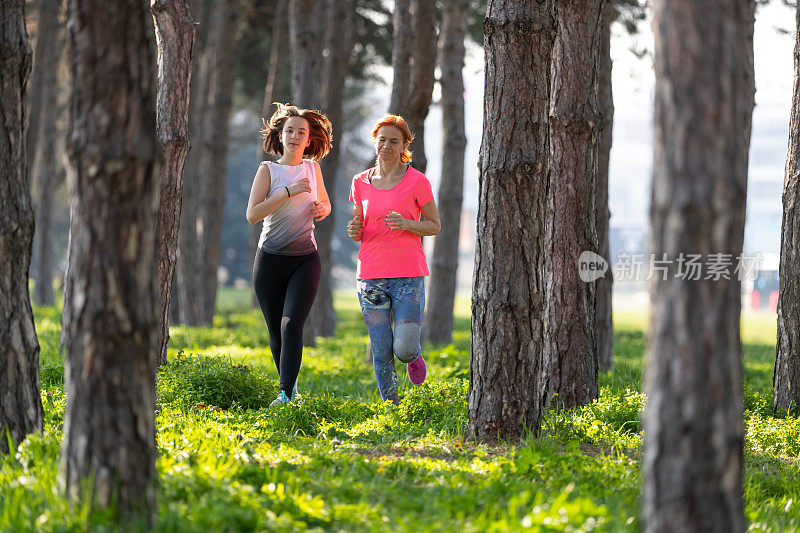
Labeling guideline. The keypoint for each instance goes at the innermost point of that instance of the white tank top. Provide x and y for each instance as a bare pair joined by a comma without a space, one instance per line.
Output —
289,230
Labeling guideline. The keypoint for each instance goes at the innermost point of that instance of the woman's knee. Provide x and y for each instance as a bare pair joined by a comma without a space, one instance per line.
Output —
291,327
406,341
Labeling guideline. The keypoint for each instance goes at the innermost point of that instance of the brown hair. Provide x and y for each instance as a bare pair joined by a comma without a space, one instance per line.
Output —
319,134
398,122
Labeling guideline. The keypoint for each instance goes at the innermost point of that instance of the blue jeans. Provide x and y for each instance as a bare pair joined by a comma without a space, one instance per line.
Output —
380,299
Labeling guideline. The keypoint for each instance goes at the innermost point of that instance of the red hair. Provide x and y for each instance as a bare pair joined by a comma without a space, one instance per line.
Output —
398,122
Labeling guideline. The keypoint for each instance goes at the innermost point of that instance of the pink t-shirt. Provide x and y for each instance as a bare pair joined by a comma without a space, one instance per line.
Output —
387,253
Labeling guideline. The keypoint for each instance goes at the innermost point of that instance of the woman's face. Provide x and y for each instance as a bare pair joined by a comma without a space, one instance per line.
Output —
295,135
389,143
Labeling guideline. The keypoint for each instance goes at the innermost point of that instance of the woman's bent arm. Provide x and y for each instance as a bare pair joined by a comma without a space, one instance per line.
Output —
259,206
424,228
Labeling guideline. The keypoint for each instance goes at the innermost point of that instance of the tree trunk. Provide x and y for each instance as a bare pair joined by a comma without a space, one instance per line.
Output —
423,65
45,171
44,48
340,40
20,399
272,93
306,39
222,37
109,422
174,37
508,290
439,319
604,326
785,389
693,423
188,277
401,56
570,354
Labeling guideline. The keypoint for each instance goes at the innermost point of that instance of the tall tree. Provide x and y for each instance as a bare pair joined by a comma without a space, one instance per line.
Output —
787,362
570,354
20,399
508,290
604,329
306,37
109,421
339,42
439,318
46,171
414,63
693,423
174,38
188,271
211,174
401,55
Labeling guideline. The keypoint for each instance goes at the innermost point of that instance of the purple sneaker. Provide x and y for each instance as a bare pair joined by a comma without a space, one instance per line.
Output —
417,370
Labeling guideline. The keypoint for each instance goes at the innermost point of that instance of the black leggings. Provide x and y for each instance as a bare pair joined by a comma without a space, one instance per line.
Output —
286,286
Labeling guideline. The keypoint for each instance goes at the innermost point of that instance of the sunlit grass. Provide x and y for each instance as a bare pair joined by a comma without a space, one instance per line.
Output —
343,461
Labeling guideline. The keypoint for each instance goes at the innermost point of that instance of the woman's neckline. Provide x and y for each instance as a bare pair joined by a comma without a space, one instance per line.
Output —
372,171
284,165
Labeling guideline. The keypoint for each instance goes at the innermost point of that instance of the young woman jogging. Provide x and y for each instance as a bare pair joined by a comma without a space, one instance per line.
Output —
289,196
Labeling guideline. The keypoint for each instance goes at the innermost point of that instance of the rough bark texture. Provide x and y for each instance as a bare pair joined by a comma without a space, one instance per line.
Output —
786,379
442,287
307,39
570,354
188,276
174,37
211,175
109,422
44,48
20,399
272,93
603,287
508,288
401,55
693,423
45,171
339,45
423,65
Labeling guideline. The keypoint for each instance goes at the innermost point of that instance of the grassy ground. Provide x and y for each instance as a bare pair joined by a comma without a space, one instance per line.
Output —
342,461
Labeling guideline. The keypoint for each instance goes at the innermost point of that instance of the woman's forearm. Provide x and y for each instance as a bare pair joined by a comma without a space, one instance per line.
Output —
424,228
267,206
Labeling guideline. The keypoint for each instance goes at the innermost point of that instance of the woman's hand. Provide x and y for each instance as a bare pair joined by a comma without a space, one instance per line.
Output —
318,211
395,221
355,228
299,187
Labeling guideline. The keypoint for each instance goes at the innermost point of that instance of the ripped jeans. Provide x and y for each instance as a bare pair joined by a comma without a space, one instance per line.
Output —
379,299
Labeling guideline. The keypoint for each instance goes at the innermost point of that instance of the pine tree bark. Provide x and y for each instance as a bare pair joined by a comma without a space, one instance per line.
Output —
174,38
439,319
44,47
222,37
423,65
403,34
340,40
570,354
188,276
306,40
46,171
20,399
693,423
604,330
508,289
786,378
109,423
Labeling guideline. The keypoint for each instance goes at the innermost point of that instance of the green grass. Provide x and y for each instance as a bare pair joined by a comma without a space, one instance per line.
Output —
343,461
